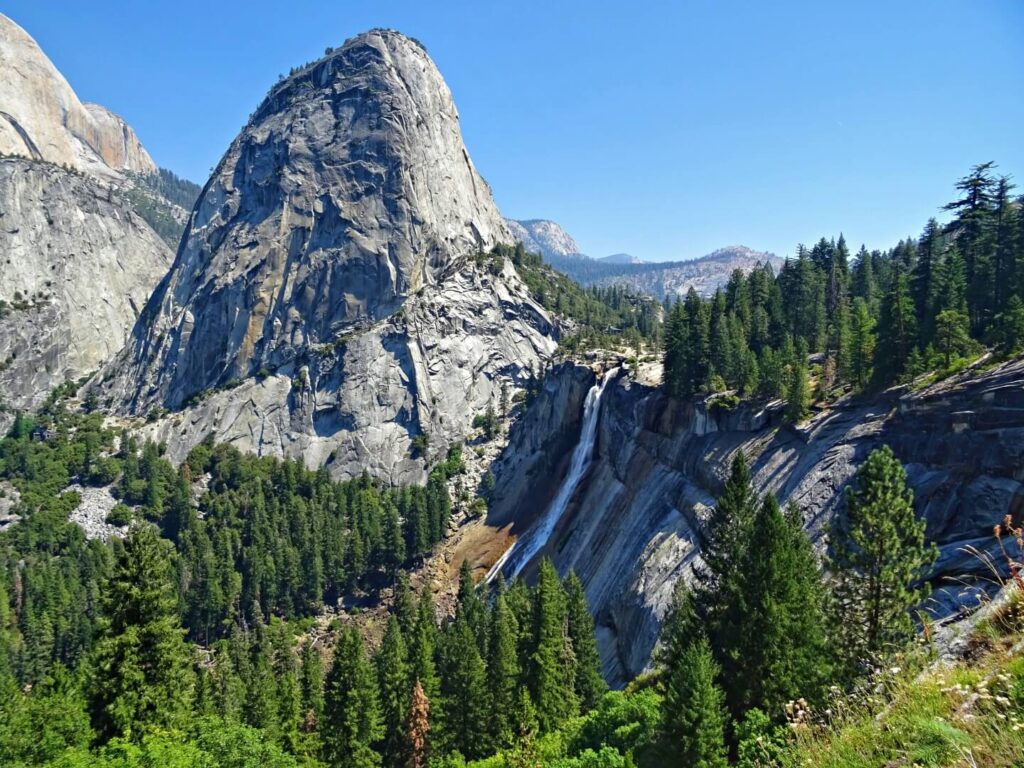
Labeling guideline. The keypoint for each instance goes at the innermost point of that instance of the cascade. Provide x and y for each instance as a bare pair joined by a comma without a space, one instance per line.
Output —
530,543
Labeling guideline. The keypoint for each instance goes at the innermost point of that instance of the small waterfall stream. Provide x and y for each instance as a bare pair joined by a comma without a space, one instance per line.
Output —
530,543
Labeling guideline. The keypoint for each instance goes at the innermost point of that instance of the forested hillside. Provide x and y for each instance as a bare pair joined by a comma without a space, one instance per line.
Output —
873,320
252,611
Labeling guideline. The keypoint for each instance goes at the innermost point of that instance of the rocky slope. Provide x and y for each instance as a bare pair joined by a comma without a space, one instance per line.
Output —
635,523
76,267
326,301
41,117
76,262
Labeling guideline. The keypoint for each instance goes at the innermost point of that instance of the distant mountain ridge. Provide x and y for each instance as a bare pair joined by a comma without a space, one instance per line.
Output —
659,279
544,237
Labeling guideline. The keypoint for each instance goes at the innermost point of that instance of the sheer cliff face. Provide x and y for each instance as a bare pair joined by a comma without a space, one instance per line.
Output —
41,117
349,190
77,267
328,266
636,521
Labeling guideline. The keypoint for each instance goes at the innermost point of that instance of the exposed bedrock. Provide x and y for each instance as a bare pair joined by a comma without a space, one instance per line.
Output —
635,523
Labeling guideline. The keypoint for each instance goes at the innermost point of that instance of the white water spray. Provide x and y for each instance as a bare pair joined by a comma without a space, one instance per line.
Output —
530,543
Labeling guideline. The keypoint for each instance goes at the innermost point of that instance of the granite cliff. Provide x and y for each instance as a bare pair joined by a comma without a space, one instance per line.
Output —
634,524
326,301
78,262
41,117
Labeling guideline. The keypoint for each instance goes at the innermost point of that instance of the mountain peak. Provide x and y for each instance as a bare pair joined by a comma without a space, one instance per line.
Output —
41,117
325,272
543,236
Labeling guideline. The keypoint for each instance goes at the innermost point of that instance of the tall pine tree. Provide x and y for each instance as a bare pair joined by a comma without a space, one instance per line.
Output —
879,558
141,668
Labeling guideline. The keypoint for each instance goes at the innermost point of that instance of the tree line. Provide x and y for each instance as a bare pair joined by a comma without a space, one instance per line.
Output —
874,320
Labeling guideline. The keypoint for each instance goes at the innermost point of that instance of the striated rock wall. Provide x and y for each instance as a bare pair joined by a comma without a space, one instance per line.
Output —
635,524
326,301
41,117
358,404
349,190
76,267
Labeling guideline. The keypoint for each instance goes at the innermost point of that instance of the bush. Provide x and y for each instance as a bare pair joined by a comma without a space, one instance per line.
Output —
121,515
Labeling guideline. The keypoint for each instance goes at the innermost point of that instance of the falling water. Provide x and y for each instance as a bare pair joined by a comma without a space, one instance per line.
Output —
530,543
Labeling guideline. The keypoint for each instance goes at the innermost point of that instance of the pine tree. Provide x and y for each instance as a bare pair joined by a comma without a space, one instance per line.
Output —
862,345
422,668
589,685
351,708
417,729
897,331
924,282
464,688
288,692
694,717
393,682
141,667
1009,328
471,606
312,683
782,645
552,669
403,606
502,674
878,556
718,596
798,395
952,334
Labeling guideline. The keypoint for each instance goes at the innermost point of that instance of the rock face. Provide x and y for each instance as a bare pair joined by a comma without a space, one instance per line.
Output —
76,264
41,117
76,267
675,278
635,524
330,268
544,237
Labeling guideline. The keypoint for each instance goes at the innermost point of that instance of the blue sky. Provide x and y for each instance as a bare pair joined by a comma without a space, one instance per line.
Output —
661,129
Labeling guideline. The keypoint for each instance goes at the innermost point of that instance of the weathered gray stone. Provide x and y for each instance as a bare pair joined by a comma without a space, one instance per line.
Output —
76,267
635,524
330,268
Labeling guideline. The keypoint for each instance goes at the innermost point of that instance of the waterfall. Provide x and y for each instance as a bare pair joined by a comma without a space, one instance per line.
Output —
530,543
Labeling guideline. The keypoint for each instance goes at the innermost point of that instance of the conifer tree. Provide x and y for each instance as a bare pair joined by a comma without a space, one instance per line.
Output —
288,692
141,668
403,606
589,685
725,541
1009,328
552,669
897,331
422,667
694,716
924,282
878,557
393,682
782,649
417,729
471,606
862,345
351,723
464,688
312,684
502,674
797,390
951,334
